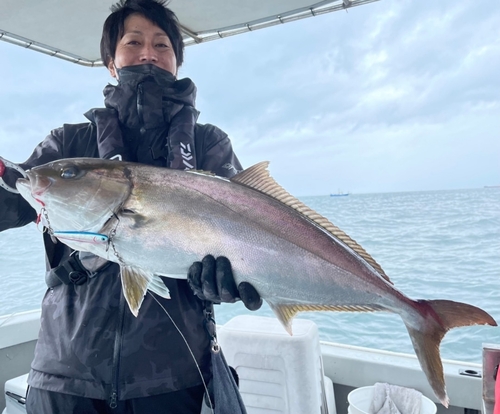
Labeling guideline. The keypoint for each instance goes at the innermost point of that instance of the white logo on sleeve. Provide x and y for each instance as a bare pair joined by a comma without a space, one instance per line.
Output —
187,155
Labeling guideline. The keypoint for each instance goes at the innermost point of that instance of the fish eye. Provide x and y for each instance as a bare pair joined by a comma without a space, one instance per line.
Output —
70,172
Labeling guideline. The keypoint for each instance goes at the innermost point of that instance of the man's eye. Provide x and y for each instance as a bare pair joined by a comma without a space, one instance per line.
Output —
69,173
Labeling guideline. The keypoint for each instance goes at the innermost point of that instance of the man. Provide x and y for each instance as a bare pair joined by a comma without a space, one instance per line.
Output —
93,355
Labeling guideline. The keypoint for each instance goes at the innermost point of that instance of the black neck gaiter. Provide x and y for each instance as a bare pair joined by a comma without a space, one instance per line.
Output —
149,117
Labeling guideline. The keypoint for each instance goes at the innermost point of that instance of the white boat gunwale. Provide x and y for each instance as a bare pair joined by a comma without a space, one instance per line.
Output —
348,367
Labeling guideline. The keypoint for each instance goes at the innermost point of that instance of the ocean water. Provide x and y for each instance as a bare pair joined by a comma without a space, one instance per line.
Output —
433,245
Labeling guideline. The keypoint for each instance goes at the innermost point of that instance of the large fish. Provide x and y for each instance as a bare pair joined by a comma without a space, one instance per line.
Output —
157,221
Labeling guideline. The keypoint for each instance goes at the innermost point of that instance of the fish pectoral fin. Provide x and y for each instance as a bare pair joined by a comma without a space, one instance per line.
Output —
157,286
135,282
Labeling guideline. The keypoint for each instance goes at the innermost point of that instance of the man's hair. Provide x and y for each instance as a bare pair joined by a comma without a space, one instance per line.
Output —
155,11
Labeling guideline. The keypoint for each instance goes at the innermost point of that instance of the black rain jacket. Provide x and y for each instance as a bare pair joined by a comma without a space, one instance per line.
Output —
90,344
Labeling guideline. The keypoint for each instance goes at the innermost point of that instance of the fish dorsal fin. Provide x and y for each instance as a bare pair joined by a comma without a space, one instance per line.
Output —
258,178
202,172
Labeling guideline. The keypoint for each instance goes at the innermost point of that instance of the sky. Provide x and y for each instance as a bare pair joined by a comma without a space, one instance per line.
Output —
396,95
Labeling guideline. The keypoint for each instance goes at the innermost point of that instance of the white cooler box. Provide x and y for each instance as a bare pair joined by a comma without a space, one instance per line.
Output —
277,372
15,395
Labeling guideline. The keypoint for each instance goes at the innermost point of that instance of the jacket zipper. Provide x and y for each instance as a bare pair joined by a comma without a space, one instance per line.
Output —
140,107
113,400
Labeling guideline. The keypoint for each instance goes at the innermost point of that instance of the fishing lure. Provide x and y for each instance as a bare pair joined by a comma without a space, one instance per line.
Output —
82,236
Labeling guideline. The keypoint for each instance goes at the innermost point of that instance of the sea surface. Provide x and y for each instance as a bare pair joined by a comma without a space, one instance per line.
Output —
432,244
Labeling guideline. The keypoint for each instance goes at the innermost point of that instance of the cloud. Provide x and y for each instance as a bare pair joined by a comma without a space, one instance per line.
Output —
394,95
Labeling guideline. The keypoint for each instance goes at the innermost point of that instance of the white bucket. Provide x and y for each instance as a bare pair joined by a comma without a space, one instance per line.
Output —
360,399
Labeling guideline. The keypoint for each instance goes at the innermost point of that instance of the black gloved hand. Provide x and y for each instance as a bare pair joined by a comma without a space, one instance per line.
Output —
213,280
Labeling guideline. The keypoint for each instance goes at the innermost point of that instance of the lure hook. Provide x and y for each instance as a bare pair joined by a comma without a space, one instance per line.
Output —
16,167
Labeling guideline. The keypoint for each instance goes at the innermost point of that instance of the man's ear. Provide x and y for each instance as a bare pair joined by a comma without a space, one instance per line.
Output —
112,69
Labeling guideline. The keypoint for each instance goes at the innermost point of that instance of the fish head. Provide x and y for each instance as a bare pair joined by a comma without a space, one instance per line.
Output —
77,194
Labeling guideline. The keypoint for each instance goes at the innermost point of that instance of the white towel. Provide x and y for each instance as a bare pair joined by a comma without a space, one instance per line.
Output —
393,399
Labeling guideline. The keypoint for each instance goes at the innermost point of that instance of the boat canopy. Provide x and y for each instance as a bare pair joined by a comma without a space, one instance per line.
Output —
71,29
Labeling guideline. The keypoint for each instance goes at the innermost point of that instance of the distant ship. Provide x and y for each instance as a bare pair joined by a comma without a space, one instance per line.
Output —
339,194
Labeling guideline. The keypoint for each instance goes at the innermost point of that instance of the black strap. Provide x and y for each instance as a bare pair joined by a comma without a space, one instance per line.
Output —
71,271
209,322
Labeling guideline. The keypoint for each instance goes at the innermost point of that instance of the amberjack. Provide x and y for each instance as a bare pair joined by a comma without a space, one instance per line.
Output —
157,221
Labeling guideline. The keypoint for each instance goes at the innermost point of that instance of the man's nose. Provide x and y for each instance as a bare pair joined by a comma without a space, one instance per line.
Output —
149,54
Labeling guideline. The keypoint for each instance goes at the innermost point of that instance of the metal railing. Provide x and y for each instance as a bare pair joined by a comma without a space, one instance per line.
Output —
190,37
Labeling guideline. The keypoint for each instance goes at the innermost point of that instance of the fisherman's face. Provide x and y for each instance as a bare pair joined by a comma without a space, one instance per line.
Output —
143,42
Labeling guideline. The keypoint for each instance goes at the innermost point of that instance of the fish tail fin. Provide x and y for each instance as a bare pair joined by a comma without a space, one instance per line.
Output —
439,316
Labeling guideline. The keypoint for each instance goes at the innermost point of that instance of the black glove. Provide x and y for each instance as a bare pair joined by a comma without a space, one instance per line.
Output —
213,280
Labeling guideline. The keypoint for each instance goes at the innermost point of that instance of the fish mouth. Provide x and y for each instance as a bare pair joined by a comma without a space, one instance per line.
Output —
34,185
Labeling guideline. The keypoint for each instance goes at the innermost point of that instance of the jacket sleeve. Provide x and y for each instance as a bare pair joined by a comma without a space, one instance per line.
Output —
217,153
15,211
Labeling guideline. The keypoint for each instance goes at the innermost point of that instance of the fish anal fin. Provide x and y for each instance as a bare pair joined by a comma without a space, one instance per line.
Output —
438,317
134,284
258,178
285,313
